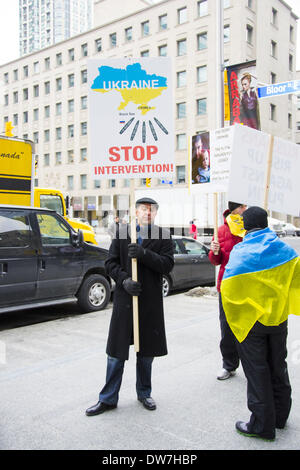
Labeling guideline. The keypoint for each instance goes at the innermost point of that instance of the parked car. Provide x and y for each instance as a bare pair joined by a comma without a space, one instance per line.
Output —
289,229
44,261
192,266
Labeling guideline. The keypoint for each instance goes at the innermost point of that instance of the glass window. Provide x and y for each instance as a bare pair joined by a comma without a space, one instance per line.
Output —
59,59
202,74
181,141
53,231
58,133
113,39
98,45
71,80
83,181
36,114
47,111
15,230
83,101
182,15
128,34
15,74
163,22
226,33
51,202
71,55
71,130
162,50
58,158
46,159
202,41
181,78
84,76
145,28
180,174
181,110
70,182
194,248
36,91
25,94
201,106
47,88
202,8
58,108
181,47
84,50
83,126
58,84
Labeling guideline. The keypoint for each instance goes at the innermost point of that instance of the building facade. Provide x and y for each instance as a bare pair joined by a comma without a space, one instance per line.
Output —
46,22
45,93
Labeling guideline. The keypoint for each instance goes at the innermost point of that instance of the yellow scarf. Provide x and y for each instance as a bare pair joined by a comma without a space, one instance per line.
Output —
236,225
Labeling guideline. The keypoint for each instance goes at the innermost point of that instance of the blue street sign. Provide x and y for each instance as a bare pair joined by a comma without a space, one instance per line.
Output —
276,89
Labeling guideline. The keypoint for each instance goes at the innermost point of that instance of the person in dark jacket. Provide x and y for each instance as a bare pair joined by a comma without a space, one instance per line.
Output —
154,253
229,234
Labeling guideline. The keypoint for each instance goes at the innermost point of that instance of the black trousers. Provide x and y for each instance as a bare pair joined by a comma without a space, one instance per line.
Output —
263,357
228,343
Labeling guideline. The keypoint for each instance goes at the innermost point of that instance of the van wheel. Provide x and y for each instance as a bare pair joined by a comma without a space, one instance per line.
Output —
94,293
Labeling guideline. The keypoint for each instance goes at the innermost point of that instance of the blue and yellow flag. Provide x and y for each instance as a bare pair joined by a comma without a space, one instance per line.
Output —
261,283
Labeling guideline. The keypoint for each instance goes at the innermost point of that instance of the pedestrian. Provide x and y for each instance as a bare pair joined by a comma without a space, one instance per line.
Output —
229,234
260,288
154,253
193,230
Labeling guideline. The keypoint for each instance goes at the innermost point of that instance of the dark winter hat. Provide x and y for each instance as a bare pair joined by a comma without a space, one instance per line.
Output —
255,217
146,200
233,205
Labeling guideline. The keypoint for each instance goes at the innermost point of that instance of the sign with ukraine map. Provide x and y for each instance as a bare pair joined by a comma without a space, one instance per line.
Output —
131,118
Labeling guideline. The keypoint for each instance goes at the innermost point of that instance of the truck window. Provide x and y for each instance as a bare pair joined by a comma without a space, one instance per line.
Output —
53,231
15,230
49,201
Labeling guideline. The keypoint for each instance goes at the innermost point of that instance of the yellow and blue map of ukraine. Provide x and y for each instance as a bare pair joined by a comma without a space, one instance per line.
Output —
134,84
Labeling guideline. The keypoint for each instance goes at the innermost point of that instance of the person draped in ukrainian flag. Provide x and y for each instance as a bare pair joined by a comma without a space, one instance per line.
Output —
260,289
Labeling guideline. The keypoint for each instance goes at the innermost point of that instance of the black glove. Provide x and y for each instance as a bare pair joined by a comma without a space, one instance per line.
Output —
135,251
132,287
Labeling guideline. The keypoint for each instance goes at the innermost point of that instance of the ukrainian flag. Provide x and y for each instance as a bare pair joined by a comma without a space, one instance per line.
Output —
261,283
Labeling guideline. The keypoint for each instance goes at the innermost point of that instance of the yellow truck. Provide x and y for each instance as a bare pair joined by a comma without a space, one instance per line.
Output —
17,183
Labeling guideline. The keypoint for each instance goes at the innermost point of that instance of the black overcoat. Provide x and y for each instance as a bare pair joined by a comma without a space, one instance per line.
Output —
157,260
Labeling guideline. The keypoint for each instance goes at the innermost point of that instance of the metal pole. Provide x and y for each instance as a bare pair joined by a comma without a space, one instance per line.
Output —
219,63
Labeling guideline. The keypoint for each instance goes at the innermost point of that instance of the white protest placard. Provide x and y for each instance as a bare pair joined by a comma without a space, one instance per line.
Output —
131,118
210,160
249,167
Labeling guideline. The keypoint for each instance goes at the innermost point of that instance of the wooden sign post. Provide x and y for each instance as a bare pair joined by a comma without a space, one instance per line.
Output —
135,305
216,208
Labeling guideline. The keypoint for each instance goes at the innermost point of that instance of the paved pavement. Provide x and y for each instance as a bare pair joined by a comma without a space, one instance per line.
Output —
50,372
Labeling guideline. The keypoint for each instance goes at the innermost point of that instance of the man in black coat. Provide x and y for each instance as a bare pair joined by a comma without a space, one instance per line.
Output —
154,253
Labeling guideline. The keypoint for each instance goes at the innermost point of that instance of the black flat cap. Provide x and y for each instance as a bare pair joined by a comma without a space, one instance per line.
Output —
146,200
255,217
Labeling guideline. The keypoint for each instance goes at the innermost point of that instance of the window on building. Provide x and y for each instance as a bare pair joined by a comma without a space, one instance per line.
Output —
202,41
201,74
71,130
97,184
36,67
180,174
181,47
70,182
84,50
291,62
46,135
162,50
274,17
84,76
58,133
36,91
47,111
290,121
226,33
71,80
181,78
46,159
71,54
59,59
113,39
58,84
36,114
128,34
274,49
6,100
145,29
36,137
181,110
249,34
15,96
5,78
145,53
83,181
25,71
181,142
83,101
98,45
58,108
273,77
163,22
47,88
83,126
202,8
70,106
83,154
58,158
70,156
182,15
25,117
292,34
201,106
273,112
47,63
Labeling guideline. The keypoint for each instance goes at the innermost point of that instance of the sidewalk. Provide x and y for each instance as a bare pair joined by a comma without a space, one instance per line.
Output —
55,370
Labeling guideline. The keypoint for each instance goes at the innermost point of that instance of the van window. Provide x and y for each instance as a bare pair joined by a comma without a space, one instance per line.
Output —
53,231
15,230
51,202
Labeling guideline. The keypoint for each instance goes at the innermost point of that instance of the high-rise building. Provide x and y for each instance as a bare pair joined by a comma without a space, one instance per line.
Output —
44,94
46,22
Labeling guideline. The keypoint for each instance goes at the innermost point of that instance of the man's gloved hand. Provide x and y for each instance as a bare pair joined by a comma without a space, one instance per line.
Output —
135,251
132,287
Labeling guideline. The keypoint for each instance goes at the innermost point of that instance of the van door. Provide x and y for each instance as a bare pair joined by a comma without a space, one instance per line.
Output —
18,258
60,264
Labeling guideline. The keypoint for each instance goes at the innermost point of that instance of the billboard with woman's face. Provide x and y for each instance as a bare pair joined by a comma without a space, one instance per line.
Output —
200,159
243,99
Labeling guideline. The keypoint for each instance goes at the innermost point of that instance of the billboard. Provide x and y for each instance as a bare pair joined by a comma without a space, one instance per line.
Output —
242,91
131,118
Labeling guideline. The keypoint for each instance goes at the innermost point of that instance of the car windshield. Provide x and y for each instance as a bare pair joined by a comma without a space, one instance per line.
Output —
51,202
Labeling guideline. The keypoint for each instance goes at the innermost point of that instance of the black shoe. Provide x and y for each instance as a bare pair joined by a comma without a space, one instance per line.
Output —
99,408
148,403
242,428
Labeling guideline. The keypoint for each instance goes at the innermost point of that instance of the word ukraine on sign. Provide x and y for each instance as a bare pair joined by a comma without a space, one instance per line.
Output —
131,126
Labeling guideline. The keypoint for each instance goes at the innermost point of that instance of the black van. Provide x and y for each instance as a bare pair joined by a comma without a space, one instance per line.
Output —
43,261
